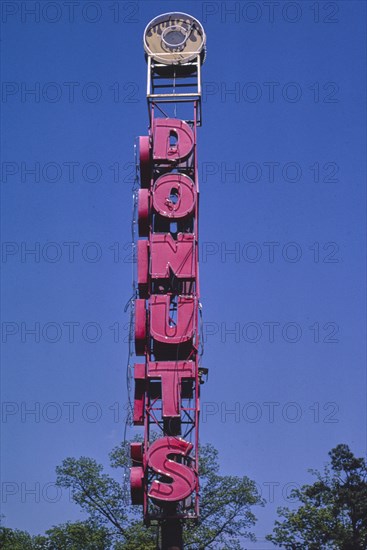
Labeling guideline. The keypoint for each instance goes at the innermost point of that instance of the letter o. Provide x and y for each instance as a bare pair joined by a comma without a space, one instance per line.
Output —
45,172
249,98
245,335
285,12
285,413
46,496
86,170
257,408
258,13
49,338
45,412
245,172
45,13
286,175
298,252
297,336
56,257
174,195
287,490
249,258
56,97
98,412
98,12
289,97
98,252
97,95
86,333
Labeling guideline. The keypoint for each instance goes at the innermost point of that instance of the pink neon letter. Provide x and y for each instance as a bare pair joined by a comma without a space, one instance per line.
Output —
183,477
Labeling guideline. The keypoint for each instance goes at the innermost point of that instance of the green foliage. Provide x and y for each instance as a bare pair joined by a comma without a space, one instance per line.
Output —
113,523
81,535
333,511
138,537
225,506
13,539
96,493
226,503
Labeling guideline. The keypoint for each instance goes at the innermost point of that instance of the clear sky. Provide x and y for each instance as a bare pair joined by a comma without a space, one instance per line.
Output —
282,232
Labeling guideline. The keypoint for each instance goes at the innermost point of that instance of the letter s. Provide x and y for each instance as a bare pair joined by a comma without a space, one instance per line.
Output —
183,477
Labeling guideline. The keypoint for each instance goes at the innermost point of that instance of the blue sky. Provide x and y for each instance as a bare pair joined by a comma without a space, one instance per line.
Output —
282,182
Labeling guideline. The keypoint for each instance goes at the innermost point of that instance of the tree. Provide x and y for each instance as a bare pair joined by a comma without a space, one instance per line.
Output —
14,539
80,535
96,493
226,501
113,523
225,505
333,511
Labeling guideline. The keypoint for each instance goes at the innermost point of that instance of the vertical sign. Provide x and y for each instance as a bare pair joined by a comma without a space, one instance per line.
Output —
168,371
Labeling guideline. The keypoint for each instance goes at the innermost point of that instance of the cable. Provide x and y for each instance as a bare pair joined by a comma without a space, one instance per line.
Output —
130,304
